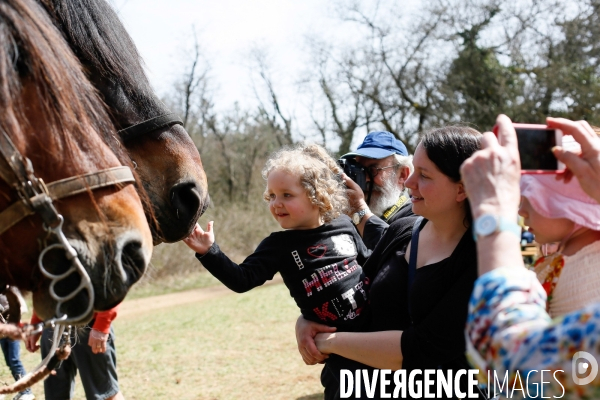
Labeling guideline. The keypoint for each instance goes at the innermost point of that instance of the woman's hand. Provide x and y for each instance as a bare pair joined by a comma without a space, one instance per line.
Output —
491,175
305,337
585,167
201,241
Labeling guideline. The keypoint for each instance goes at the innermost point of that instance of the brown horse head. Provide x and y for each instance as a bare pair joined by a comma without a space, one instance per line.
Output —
167,160
53,116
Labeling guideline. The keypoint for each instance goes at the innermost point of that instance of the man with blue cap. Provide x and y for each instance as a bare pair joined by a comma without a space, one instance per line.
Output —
388,165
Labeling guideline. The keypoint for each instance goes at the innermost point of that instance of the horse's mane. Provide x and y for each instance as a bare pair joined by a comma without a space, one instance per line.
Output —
98,37
32,52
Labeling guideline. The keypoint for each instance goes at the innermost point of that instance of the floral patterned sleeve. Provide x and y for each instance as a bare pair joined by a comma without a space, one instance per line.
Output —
509,333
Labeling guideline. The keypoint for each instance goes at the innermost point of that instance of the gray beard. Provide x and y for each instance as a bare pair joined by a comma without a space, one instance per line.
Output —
389,194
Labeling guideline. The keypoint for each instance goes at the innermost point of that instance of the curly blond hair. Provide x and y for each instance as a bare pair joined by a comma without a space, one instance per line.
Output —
319,175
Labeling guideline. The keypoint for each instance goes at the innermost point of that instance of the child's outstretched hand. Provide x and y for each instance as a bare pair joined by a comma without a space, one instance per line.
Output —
200,241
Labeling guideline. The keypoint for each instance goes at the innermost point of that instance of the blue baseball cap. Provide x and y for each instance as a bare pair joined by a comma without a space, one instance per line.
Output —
378,145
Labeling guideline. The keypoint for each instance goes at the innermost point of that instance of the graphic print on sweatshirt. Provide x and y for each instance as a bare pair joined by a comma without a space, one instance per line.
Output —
345,306
344,245
334,279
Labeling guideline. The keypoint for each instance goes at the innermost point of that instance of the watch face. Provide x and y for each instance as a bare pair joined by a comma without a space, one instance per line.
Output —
356,218
485,225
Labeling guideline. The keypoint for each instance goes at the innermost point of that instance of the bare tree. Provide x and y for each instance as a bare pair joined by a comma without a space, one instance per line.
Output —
192,94
273,112
458,61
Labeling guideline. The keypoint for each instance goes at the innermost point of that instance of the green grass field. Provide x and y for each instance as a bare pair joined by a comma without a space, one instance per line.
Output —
236,346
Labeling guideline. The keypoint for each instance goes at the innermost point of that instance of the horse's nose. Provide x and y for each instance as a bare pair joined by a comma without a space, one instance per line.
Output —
186,200
131,257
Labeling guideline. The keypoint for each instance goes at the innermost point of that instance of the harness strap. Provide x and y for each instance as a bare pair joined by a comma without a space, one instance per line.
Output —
149,125
65,188
393,210
91,181
37,197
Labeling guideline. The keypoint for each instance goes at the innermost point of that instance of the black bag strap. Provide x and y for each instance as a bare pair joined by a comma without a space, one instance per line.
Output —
412,260
414,246
412,269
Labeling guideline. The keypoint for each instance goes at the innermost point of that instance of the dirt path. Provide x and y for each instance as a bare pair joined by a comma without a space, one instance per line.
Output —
151,304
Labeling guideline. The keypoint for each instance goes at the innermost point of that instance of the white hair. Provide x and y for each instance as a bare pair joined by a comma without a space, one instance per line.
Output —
405,161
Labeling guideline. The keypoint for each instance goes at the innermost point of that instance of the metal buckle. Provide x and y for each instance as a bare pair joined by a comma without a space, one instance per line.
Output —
76,267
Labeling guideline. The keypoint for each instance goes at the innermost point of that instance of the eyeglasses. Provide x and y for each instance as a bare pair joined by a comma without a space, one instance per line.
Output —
373,170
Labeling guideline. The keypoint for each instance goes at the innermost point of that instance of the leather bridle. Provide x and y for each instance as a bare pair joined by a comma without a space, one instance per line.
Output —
36,197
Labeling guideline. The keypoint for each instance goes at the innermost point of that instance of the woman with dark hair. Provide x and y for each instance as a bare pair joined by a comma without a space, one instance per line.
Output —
417,318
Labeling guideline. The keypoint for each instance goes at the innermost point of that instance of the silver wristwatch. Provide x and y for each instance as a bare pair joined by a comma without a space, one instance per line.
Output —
488,223
358,216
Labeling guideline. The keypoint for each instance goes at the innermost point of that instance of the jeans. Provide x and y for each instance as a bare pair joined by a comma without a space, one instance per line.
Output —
12,351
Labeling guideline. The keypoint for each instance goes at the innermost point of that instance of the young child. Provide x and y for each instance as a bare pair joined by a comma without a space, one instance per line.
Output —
318,254
563,213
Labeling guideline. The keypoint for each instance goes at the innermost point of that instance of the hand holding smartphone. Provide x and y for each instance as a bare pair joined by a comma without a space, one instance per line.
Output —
535,148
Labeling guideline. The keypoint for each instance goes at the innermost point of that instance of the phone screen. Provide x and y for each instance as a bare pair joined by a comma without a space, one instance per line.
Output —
535,148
